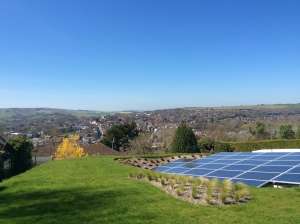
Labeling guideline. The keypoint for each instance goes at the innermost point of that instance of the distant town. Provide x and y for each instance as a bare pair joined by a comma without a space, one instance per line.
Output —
46,127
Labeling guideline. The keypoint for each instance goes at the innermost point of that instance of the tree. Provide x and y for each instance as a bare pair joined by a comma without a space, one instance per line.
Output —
207,145
20,156
119,135
298,133
141,144
260,131
210,145
287,132
184,140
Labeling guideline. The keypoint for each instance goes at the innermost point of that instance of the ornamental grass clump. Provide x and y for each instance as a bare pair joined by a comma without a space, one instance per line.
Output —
195,194
180,190
227,192
242,193
197,190
212,192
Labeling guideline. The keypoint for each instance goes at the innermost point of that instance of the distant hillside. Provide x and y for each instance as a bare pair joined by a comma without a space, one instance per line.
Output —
34,119
7,113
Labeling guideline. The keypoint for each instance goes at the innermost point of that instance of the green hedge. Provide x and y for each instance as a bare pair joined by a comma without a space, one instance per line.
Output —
266,144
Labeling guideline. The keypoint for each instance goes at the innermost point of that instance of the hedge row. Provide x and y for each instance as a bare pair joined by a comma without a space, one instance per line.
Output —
266,144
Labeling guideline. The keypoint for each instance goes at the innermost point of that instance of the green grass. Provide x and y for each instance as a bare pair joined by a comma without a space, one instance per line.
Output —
98,190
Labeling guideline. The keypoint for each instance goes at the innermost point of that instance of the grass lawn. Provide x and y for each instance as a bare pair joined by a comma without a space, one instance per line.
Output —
98,190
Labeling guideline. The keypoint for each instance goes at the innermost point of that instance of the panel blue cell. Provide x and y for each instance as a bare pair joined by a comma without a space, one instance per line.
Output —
267,158
287,177
161,168
226,161
177,170
251,162
258,175
240,157
284,163
183,160
274,169
239,167
209,159
172,164
295,170
190,165
224,173
290,158
255,183
198,172
212,166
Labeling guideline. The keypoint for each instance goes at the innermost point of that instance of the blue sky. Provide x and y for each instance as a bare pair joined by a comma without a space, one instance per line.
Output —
148,54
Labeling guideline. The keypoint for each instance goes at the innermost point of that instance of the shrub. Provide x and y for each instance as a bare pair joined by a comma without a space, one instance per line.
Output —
210,145
69,148
287,132
266,144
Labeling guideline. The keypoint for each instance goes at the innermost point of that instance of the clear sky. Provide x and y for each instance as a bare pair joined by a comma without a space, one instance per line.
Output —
148,54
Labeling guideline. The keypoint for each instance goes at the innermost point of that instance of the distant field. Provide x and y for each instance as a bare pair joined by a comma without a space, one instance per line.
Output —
98,190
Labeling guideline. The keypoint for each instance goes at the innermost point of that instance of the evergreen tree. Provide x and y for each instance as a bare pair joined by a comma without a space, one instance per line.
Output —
184,140
21,159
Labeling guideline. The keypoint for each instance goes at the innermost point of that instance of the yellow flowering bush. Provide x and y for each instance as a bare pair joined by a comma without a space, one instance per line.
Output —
69,148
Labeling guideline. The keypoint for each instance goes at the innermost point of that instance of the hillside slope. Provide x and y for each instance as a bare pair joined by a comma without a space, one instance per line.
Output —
98,190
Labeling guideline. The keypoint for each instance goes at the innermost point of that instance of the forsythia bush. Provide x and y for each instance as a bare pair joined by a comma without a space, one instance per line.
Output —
69,148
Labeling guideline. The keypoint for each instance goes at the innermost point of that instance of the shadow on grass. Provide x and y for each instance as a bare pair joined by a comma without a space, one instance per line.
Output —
70,206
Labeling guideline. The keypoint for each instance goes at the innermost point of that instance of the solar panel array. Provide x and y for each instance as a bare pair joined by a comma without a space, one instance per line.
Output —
256,169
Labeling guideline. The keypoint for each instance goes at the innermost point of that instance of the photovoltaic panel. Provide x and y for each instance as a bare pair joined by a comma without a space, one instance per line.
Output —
295,170
239,167
199,172
283,163
177,170
258,175
190,165
226,161
256,183
290,158
288,177
224,173
213,166
273,169
251,162
256,169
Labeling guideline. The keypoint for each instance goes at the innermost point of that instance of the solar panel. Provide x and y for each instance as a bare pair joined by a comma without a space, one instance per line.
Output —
213,166
295,170
289,178
256,183
256,169
273,169
224,173
199,172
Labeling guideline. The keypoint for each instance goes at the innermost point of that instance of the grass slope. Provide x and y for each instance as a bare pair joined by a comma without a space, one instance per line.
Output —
97,190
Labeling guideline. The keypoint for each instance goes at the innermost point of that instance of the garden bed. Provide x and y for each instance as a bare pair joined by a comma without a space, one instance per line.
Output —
197,190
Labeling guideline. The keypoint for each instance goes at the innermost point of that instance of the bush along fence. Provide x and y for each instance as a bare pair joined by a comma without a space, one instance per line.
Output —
266,144
209,145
